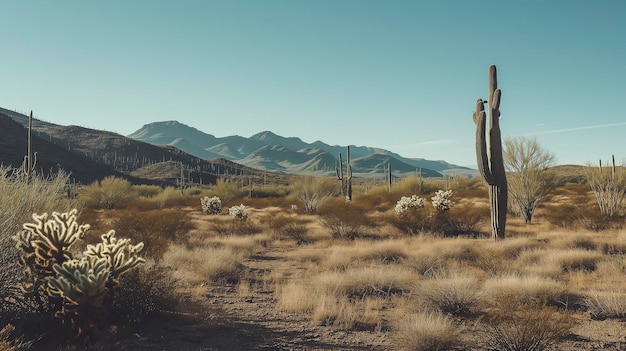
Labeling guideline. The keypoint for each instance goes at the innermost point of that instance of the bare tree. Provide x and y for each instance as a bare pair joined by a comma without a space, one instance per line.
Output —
531,175
608,185
314,191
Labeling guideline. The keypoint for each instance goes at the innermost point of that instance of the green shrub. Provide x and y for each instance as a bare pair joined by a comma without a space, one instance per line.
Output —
109,193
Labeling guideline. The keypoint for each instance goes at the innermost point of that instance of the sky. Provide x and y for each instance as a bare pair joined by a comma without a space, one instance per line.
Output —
399,75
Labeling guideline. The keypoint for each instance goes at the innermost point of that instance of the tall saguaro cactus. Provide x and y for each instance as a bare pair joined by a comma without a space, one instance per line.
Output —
31,158
345,182
489,154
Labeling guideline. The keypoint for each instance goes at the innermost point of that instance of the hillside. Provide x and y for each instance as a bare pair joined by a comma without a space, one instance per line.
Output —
92,154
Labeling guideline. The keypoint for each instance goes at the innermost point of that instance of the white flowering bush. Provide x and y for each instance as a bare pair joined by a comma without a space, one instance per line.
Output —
238,212
441,201
407,203
211,205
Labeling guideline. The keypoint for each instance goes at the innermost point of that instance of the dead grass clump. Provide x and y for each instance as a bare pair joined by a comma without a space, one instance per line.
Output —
296,297
525,289
454,293
427,332
514,327
357,283
203,264
386,252
339,311
575,259
606,304
242,245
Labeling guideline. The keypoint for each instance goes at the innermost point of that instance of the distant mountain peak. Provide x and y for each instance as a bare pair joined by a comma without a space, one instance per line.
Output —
265,135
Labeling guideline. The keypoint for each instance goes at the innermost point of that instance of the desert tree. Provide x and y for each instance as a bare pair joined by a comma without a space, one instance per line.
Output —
608,185
314,191
531,175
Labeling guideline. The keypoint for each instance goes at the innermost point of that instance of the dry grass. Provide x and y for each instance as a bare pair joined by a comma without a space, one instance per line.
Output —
456,293
427,332
525,289
204,264
513,327
606,304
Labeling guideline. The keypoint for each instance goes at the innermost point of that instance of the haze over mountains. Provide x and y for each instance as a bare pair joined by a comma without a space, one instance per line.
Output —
271,152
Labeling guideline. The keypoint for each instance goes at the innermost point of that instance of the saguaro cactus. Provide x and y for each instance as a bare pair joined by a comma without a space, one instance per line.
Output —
346,183
31,158
489,155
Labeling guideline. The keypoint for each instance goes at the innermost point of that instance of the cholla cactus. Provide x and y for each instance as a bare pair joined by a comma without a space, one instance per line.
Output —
78,290
211,205
80,281
44,243
119,253
407,203
441,201
238,212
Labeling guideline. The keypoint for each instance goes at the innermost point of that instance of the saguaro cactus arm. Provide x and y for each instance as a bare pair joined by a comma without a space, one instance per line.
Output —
482,157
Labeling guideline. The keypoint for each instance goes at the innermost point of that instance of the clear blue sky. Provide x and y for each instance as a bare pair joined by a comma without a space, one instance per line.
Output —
401,75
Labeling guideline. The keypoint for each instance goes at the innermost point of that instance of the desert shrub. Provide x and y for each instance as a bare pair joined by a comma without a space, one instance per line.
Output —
427,332
227,191
211,205
168,197
562,215
149,289
313,192
345,220
452,293
466,220
157,229
147,191
608,185
592,219
288,226
108,193
526,327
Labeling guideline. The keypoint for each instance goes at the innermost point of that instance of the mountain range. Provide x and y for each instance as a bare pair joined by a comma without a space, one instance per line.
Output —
271,152
155,154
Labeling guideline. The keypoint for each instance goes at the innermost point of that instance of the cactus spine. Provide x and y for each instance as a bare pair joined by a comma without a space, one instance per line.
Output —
346,183
489,155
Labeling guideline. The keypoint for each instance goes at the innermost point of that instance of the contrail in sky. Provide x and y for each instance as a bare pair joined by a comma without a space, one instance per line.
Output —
579,128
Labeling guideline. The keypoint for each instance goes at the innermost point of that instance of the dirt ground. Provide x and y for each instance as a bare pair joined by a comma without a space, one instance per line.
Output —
228,320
